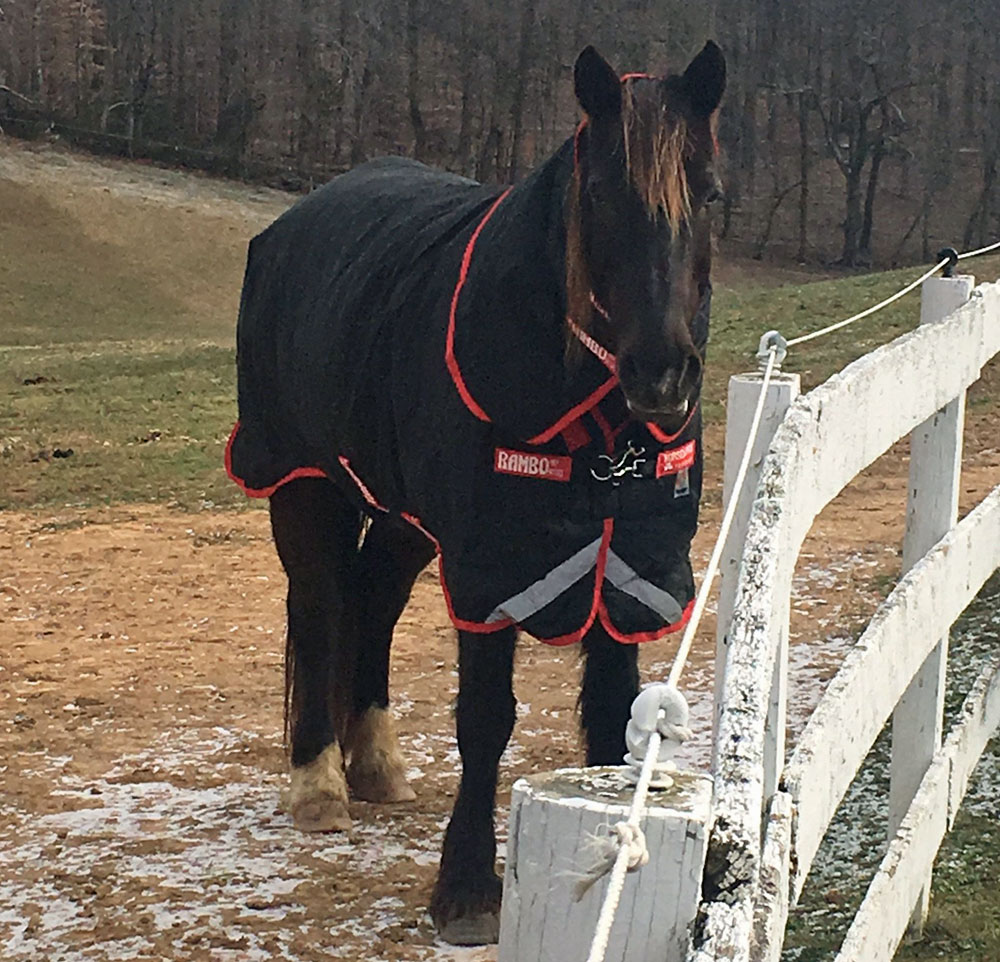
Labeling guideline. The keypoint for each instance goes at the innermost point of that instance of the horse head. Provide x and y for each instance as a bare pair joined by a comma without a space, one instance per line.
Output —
638,224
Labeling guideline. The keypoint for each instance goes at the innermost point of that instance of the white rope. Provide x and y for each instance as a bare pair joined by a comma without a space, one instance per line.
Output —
981,250
630,856
871,310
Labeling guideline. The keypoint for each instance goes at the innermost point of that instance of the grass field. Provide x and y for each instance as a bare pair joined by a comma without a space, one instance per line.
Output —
119,291
118,294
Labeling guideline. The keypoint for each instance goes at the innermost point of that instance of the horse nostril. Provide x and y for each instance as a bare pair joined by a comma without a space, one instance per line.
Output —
690,374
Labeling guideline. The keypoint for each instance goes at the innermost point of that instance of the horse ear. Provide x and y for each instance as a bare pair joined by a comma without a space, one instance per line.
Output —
705,79
598,89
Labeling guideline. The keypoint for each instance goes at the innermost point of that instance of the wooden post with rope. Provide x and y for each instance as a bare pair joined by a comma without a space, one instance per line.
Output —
744,390
556,820
931,511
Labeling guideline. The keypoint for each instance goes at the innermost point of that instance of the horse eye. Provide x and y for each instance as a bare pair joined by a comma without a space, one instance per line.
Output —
713,196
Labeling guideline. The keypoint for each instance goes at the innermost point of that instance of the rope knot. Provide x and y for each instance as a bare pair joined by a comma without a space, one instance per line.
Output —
633,840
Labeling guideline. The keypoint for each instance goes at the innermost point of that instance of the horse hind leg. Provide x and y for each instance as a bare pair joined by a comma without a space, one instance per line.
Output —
391,557
610,684
316,533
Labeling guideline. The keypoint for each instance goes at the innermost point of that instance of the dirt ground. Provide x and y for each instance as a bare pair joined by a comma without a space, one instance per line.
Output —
141,765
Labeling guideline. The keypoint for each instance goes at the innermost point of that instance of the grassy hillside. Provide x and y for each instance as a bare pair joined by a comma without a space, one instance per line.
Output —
118,293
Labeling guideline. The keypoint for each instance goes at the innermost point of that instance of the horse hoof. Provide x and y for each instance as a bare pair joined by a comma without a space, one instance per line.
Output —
379,786
376,769
321,814
318,798
466,910
472,930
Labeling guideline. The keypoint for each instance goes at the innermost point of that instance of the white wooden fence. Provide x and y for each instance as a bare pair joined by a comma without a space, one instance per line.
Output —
770,813
757,840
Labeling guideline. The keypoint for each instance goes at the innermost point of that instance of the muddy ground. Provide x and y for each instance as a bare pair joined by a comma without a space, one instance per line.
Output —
141,764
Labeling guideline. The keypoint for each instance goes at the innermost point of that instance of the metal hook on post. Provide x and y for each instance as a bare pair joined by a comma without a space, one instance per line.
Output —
772,339
951,255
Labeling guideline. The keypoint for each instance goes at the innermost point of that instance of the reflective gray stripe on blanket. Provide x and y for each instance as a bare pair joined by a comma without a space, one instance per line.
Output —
536,596
544,591
627,580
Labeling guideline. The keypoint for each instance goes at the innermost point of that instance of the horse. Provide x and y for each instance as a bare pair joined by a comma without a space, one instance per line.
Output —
509,380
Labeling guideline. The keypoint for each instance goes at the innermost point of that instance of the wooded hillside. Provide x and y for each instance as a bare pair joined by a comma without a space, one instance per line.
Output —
853,131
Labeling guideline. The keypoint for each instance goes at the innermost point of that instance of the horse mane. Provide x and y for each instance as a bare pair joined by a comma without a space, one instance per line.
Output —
655,139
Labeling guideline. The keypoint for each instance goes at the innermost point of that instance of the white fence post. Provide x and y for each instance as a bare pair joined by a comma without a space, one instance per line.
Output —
744,390
932,510
554,819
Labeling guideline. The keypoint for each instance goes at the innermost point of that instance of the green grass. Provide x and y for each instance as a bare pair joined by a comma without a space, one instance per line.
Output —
964,924
123,311
144,422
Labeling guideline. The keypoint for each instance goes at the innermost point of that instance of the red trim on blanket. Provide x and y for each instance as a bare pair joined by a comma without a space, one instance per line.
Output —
609,435
462,625
575,412
636,76
449,349
268,491
575,436
451,361
641,636
665,438
362,487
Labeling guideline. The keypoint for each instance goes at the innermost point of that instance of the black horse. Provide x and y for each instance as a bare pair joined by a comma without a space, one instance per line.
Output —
508,379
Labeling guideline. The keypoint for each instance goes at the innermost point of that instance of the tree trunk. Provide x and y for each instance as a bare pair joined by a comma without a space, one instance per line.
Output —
340,97
925,224
359,146
803,175
520,84
865,241
413,79
463,160
852,217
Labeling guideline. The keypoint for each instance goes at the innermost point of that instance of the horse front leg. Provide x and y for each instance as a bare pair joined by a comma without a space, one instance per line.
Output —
610,684
465,905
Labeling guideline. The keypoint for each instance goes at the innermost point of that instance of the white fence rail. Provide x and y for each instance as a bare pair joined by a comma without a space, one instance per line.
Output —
915,384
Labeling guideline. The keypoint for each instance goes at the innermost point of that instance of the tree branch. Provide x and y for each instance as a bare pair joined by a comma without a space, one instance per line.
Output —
14,93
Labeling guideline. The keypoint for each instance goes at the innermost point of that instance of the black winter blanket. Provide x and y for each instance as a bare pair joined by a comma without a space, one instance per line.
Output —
402,332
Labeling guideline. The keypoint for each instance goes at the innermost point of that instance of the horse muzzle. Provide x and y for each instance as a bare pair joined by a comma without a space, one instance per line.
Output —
665,399
669,420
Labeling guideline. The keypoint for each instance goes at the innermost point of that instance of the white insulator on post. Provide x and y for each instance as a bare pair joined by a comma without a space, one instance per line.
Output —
657,708
554,818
